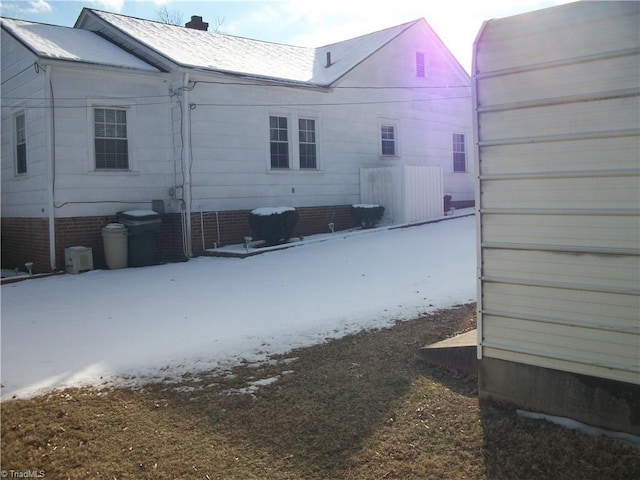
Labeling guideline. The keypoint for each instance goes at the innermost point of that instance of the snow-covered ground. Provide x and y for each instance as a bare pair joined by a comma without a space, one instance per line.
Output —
153,322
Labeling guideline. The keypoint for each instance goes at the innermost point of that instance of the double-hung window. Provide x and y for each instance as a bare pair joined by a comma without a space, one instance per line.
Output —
459,153
279,141
111,144
287,153
388,140
307,143
20,130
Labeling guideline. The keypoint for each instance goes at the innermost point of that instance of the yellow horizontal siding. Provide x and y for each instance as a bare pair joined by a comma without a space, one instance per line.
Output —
565,119
603,272
577,193
570,156
610,74
578,344
556,34
592,231
592,369
599,310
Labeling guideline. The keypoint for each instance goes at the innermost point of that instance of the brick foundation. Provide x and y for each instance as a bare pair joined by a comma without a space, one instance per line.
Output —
27,239
230,227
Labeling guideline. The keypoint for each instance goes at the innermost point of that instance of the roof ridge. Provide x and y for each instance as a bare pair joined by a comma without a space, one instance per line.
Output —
405,24
200,32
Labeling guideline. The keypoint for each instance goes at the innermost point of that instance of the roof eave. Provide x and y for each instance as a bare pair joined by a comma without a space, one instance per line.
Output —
20,41
262,79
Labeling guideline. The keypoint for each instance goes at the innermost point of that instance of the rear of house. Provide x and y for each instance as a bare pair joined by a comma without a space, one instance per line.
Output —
207,127
556,94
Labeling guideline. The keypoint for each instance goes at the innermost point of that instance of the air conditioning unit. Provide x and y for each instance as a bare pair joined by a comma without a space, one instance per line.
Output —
78,259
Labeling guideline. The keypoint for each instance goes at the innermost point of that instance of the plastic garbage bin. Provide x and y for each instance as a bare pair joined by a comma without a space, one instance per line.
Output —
143,227
114,236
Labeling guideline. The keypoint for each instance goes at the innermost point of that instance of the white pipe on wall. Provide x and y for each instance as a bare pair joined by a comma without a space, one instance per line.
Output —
51,165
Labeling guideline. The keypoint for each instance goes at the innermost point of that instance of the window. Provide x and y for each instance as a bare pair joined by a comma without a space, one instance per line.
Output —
388,139
420,67
21,143
279,139
307,142
459,153
110,136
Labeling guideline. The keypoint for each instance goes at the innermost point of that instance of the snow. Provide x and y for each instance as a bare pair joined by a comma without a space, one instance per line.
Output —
266,211
51,41
228,53
128,326
114,226
140,213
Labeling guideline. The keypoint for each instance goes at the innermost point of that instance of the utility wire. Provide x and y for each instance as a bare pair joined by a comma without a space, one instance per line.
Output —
34,64
239,105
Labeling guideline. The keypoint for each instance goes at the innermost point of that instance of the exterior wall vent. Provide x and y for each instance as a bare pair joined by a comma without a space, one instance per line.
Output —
78,259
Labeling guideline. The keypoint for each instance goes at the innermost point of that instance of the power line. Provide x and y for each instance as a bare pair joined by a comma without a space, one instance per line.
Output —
254,105
34,64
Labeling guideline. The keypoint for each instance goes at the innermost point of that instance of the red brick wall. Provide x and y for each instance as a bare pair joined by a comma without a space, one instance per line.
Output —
87,232
27,239
233,226
81,231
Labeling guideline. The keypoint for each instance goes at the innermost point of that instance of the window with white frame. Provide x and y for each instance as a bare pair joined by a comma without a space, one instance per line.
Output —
307,143
459,153
388,140
420,65
111,144
279,141
20,136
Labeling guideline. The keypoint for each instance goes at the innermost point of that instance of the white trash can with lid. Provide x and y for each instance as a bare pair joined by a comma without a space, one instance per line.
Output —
115,240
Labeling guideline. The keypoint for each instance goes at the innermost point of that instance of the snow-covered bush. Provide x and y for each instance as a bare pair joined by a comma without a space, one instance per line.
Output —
366,215
274,225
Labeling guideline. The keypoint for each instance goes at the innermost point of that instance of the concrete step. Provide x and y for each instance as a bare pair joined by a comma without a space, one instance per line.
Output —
457,352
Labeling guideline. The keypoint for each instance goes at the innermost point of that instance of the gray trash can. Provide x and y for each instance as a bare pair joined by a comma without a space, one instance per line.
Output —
114,236
143,227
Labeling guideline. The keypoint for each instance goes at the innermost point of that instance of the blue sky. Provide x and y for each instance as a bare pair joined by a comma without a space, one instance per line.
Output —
300,22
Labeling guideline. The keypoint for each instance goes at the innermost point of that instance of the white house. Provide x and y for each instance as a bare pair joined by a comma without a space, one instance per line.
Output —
556,96
119,112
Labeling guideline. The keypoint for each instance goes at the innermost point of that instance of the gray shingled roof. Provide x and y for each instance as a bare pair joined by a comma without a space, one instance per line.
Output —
64,43
228,53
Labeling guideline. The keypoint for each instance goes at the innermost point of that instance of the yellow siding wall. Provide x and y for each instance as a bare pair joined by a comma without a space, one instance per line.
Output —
558,152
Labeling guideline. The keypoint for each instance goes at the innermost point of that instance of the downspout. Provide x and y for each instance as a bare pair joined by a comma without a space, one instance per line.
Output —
51,163
186,165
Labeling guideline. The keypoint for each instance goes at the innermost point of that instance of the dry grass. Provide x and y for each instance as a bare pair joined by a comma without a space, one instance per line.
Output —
362,407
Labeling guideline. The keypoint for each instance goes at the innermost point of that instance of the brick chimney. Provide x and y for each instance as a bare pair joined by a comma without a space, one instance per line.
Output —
197,24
